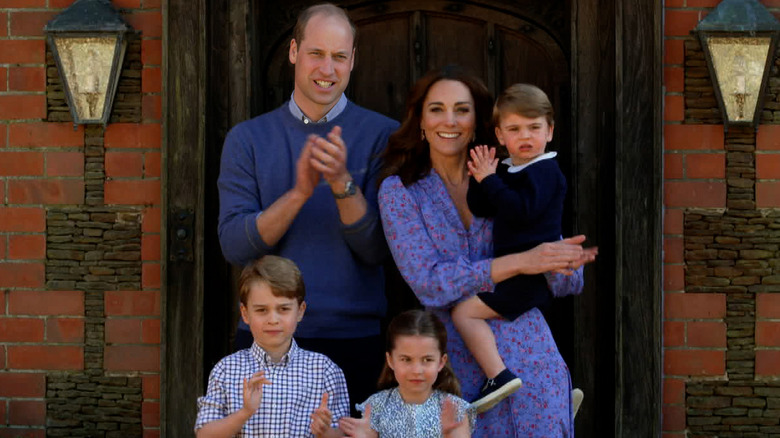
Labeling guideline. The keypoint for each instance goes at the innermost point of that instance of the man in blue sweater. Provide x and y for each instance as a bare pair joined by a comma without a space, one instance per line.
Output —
300,182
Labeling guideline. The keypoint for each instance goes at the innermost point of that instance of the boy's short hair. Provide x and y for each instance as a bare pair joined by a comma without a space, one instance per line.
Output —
280,274
523,99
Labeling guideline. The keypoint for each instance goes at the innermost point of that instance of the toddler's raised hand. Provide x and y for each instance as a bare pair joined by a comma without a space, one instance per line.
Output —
483,162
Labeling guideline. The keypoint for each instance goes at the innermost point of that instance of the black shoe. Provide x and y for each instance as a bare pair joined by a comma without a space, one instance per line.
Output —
496,389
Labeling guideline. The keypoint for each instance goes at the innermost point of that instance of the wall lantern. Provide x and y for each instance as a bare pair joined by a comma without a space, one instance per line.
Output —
739,39
88,41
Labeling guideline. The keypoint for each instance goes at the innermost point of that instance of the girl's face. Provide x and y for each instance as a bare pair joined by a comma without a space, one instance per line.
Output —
448,118
416,362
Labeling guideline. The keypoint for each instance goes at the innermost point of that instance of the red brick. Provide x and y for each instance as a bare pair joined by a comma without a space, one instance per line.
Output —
3,70
22,275
705,334
131,135
21,163
27,412
150,414
767,334
767,166
3,33
45,357
23,3
767,194
151,386
768,363
27,79
22,433
123,330
694,362
46,191
674,278
3,245
150,331
26,247
22,106
681,22
151,433
674,3
694,306
674,79
151,80
694,194
148,22
151,52
674,391
132,192
674,334
58,303
22,51
768,305
693,137
29,23
673,166
64,163
768,138
132,303
22,219
68,330
3,132
60,3
151,220
150,247
151,107
152,165
132,358
703,3
150,276
673,250
152,4
705,165
45,134
674,52
124,164
673,417
21,330
127,4
22,385
673,221
674,108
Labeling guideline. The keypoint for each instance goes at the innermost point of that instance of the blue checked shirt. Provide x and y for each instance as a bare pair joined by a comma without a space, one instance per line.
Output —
297,384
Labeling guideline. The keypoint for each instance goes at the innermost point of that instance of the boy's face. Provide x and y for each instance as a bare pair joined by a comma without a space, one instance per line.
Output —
271,319
525,138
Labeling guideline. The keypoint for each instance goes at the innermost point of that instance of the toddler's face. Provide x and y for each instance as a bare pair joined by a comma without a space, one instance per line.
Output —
524,137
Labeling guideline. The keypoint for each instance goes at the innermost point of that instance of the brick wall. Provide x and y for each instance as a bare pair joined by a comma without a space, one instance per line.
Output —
721,249
79,239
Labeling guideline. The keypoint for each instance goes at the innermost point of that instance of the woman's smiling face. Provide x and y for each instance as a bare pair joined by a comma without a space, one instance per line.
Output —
448,119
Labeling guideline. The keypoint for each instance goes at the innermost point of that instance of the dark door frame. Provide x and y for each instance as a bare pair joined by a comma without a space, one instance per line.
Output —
616,64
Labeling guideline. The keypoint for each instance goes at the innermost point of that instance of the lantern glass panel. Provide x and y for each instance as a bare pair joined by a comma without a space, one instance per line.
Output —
87,62
739,65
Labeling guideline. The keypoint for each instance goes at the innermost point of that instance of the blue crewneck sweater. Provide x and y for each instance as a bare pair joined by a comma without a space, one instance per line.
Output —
341,265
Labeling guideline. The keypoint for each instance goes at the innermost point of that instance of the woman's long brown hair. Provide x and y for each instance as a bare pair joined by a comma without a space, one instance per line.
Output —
419,323
407,154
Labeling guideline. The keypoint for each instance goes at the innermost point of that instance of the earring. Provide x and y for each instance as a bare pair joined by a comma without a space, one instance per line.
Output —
473,137
422,134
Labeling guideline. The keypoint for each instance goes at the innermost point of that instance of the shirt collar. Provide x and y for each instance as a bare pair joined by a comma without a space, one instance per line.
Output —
519,167
332,114
264,359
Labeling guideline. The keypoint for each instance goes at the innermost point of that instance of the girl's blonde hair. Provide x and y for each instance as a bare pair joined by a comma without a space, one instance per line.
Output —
419,323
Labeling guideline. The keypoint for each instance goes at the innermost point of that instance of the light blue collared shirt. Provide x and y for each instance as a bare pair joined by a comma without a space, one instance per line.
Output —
335,111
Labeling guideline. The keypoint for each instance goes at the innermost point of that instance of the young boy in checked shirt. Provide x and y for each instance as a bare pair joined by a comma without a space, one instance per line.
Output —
274,388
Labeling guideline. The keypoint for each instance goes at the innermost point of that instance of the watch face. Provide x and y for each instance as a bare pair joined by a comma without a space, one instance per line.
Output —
349,188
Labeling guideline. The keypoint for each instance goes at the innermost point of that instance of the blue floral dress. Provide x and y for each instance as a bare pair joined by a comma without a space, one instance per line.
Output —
392,417
444,263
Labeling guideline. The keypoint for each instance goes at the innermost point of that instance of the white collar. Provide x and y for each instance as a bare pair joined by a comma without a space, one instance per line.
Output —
519,167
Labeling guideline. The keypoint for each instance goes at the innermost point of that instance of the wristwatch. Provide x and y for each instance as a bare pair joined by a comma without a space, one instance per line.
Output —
349,189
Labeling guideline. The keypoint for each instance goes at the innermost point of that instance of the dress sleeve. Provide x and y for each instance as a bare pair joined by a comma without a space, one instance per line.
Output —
437,279
336,386
239,202
213,405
